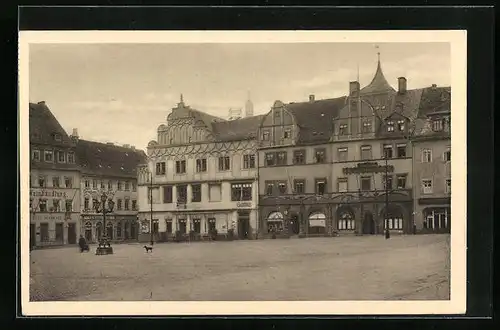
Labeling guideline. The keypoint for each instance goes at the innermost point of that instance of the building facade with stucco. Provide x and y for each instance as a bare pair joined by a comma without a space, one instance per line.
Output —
201,176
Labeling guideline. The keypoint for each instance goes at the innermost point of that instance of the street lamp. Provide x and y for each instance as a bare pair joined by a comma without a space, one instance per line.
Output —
104,245
386,183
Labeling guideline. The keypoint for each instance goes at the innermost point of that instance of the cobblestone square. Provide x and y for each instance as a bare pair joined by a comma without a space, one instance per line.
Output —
340,268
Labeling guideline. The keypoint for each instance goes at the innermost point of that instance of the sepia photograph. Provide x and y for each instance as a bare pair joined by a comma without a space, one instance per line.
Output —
233,169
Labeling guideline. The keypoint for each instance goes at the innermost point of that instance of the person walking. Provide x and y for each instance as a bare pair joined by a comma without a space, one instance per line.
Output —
82,243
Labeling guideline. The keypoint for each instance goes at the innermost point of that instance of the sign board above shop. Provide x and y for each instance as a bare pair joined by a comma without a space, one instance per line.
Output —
49,217
244,204
49,193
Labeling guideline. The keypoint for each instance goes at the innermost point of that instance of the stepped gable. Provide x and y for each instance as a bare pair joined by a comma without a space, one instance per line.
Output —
315,118
104,159
43,125
239,129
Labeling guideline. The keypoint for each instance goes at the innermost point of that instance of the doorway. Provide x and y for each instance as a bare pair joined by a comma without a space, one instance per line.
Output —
295,224
368,224
71,233
243,224
60,233
32,235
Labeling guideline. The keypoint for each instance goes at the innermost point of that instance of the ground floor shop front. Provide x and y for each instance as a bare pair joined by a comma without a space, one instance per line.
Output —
433,215
336,215
55,228
241,222
117,227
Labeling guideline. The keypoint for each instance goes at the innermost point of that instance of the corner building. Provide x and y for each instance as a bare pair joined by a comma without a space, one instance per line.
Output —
201,174
54,181
343,165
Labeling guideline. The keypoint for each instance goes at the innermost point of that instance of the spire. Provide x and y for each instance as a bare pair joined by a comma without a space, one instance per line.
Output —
248,106
181,103
378,84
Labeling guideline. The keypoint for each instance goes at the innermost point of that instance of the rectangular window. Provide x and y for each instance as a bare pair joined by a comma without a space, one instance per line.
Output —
119,184
69,205
56,206
134,205
366,183
71,157
401,181
61,157
282,187
367,127
42,181
134,186
42,205
127,204
248,161
241,192
201,165
110,185
182,226
265,135
211,224
342,154
224,163
437,125
49,156
299,157
161,168
197,225
319,155
196,193
387,150
181,194
127,186
215,192
342,185
169,226
180,166
119,204
94,184
287,134
270,159
427,186
281,158
387,180
269,187
447,156
44,232
342,129
55,182
401,149
401,125
102,184
87,184
86,203
320,186
167,194
390,126
448,186
35,155
299,186
426,155
366,152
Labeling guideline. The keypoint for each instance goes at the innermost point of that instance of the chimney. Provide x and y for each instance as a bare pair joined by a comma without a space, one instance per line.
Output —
433,86
132,147
353,87
126,145
402,85
311,98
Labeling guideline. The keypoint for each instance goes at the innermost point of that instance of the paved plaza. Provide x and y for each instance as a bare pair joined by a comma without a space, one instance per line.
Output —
339,268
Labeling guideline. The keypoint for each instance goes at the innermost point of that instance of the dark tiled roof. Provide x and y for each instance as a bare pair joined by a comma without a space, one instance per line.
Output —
238,129
208,119
378,84
434,99
315,118
43,125
103,159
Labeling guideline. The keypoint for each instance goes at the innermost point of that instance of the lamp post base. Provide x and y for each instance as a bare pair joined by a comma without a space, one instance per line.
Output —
104,247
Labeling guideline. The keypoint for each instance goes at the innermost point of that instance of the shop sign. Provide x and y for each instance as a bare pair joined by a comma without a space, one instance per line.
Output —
98,217
48,193
244,204
49,217
368,167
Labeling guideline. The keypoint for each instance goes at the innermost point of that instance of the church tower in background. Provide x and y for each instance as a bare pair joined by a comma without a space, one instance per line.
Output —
248,107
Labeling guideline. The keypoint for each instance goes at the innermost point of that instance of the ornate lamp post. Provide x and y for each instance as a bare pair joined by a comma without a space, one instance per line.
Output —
104,245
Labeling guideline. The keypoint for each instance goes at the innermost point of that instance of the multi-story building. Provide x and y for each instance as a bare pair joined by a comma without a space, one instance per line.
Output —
110,170
336,165
201,175
432,165
54,180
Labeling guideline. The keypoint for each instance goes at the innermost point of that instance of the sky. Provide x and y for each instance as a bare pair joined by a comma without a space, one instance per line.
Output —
121,93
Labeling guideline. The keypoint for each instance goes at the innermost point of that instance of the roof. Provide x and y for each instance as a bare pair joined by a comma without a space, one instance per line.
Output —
378,84
43,126
238,129
315,118
103,159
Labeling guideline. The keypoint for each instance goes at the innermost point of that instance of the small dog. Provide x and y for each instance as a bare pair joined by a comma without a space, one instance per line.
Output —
148,248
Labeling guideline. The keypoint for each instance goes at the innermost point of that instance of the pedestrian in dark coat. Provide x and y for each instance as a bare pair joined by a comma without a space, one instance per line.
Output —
387,234
82,243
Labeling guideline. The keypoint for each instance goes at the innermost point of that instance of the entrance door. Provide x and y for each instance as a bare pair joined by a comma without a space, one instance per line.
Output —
243,224
32,235
368,224
60,233
88,234
295,224
71,233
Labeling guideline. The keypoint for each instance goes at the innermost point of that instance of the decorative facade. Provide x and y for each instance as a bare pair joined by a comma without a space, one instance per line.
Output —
201,175
343,165
54,181
110,170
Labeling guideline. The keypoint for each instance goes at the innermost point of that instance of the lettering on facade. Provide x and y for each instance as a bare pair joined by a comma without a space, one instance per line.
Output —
368,167
48,193
98,217
244,204
47,217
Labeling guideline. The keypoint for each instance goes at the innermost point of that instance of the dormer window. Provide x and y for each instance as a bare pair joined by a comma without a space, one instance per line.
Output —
265,136
437,125
287,134
401,125
367,127
390,126
342,129
57,136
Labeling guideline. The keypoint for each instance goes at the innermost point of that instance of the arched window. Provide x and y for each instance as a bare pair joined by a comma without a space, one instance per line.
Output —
394,218
275,222
317,223
346,221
